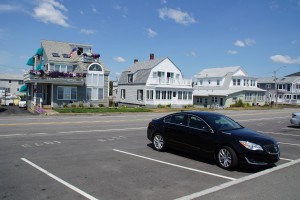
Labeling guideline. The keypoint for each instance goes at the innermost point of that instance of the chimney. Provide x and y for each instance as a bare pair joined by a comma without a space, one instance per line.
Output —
151,56
135,61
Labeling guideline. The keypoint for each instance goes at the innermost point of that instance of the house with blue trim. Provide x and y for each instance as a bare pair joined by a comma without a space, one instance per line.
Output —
66,73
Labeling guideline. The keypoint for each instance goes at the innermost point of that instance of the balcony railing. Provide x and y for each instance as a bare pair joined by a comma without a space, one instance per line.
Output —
169,81
63,78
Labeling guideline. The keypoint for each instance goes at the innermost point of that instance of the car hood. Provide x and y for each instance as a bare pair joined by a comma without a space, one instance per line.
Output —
250,135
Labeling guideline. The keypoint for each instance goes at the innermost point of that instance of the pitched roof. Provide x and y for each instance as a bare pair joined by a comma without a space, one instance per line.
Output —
289,79
217,72
294,74
61,48
141,70
11,77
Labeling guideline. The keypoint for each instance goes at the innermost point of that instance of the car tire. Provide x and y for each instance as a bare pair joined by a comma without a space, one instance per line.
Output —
227,158
159,142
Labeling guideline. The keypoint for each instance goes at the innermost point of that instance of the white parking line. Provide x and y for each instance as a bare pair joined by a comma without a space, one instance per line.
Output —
289,144
279,133
286,159
191,169
237,181
60,180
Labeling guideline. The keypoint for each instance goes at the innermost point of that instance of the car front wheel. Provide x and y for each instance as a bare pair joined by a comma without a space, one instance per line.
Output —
159,142
227,158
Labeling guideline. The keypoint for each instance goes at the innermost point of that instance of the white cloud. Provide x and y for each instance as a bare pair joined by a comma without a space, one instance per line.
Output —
177,15
239,43
244,43
232,52
51,11
119,59
8,8
163,1
151,33
87,31
94,10
285,59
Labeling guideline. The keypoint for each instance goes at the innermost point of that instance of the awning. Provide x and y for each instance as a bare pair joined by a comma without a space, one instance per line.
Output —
24,88
30,61
39,52
39,67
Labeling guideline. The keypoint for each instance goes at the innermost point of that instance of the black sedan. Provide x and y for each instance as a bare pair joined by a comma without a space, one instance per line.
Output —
217,135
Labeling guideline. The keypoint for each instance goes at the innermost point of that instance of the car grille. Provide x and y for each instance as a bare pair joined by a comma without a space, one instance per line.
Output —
272,148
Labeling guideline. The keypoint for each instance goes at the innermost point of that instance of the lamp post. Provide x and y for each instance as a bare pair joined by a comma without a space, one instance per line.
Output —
275,80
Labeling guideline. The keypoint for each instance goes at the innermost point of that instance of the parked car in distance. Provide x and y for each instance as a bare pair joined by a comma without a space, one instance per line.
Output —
229,143
295,120
22,103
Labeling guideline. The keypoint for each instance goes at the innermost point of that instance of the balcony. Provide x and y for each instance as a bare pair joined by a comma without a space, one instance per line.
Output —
169,81
54,77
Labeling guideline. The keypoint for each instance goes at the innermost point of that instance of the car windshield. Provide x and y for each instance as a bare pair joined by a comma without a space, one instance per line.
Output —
222,123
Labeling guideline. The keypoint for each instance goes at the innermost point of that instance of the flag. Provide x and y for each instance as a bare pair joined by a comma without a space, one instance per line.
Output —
73,51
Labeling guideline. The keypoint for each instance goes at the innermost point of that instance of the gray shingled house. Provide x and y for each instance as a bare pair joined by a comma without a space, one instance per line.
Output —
64,73
154,82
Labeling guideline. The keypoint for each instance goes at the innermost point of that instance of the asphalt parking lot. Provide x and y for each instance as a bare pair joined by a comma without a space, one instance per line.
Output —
109,157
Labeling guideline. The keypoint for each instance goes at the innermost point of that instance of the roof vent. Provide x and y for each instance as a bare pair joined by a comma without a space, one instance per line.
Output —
135,61
151,56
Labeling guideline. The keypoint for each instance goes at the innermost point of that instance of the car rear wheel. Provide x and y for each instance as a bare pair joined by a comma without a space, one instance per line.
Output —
227,158
159,142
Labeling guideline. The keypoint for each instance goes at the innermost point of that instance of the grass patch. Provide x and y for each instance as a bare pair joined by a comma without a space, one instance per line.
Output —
100,110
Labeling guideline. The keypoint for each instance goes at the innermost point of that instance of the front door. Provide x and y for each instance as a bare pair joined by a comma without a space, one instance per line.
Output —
221,102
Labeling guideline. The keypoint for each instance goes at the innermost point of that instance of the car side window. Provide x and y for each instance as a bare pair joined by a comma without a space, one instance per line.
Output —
198,123
178,119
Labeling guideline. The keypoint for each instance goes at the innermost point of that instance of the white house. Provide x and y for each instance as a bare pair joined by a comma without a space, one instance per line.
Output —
221,87
154,82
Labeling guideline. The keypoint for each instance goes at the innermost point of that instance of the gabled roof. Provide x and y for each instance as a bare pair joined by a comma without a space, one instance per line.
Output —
294,74
290,79
218,72
141,71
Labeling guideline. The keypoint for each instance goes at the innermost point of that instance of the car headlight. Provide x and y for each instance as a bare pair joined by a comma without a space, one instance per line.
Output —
251,146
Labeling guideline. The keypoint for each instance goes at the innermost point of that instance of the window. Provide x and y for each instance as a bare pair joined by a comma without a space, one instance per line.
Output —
55,55
66,55
62,68
94,93
140,95
176,119
130,78
169,94
20,82
238,81
199,100
163,94
198,123
209,82
190,94
248,96
184,95
157,94
149,94
201,82
268,86
218,82
214,99
174,94
260,96
234,81
180,95
66,93
9,81
258,85
123,93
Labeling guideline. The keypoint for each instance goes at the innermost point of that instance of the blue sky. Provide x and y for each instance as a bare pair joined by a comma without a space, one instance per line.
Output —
259,35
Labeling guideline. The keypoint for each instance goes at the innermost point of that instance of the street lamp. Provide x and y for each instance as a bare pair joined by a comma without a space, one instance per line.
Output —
275,80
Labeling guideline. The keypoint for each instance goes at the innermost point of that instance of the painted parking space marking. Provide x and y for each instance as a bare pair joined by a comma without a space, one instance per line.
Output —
289,144
286,159
36,144
59,180
237,181
175,165
267,132
111,138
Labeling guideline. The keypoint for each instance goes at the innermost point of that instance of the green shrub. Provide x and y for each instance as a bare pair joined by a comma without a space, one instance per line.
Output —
80,105
65,105
101,105
73,105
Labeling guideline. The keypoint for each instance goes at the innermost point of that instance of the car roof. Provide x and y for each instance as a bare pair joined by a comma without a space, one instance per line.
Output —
200,113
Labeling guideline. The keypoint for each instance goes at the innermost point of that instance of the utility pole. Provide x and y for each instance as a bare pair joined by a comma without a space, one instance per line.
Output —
275,81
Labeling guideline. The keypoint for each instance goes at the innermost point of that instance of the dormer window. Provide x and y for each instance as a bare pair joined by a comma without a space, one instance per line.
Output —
130,78
55,55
